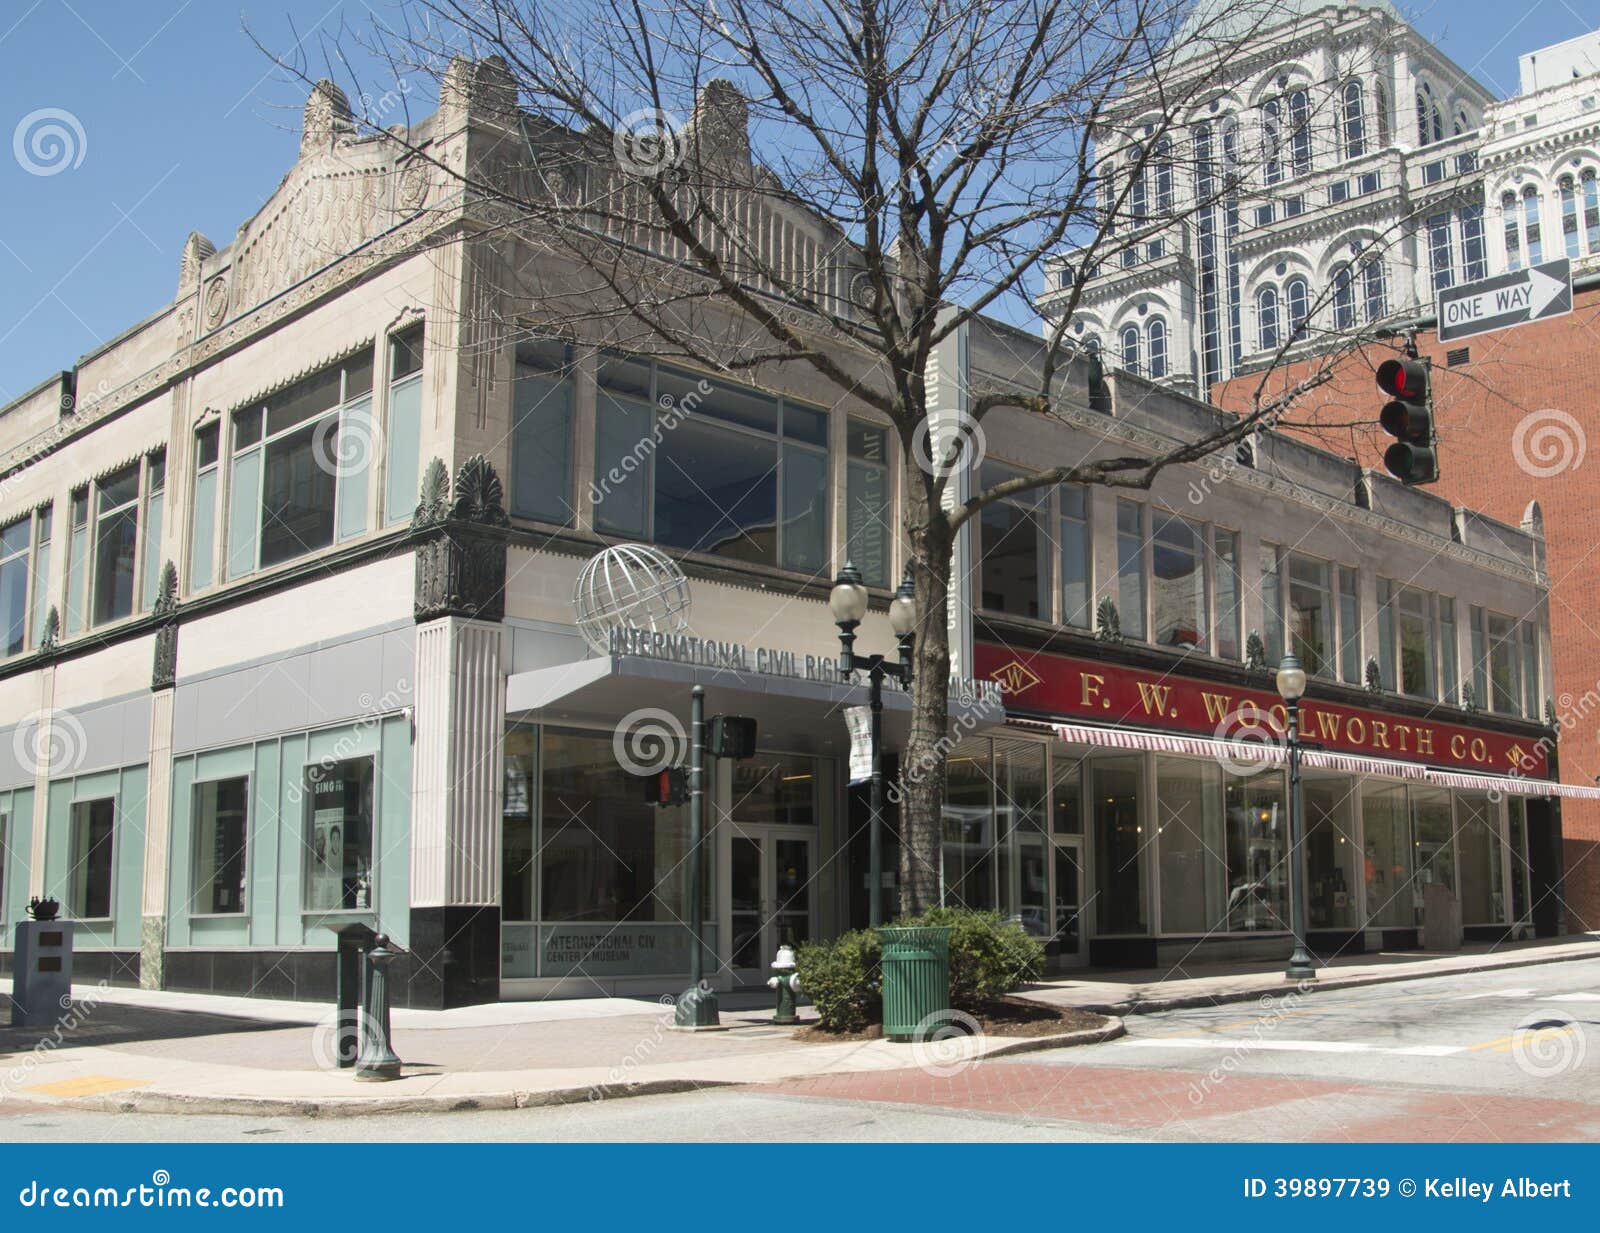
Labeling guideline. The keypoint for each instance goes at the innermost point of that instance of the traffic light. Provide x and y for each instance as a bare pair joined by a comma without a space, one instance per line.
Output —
669,786
1408,417
731,736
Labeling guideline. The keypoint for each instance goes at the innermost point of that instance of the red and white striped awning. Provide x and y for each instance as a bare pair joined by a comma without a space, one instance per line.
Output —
1271,753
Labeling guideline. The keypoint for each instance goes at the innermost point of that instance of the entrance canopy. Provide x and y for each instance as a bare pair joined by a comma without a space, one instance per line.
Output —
793,712
1276,754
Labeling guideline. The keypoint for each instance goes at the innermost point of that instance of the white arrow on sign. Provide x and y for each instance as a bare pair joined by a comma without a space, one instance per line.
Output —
1505,300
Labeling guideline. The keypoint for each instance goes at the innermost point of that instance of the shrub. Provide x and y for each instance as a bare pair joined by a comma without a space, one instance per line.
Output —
843,980
989,957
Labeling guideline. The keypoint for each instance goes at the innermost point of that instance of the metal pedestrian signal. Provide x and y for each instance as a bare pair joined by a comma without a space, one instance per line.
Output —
1408,418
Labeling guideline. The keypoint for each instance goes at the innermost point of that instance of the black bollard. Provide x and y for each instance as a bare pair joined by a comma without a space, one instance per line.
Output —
377,1060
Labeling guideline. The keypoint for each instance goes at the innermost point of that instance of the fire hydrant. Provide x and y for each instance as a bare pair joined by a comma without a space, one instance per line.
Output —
787,982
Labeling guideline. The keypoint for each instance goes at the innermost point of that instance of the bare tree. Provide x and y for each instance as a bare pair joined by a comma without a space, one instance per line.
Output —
761,185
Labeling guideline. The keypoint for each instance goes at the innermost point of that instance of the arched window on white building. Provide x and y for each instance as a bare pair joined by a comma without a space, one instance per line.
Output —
1299,132
1344,298
1297,299
1267,318
1463,122
1531,231
1374,293
1569,217
1130,348
1430,119
1164,196
1138,191
1591,209
1510,220
1353,119
1156,347
1271,141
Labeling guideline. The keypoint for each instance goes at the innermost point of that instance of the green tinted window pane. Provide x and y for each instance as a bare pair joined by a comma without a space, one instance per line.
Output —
202,536
150,567
77,578
402,447
354,466
622,452
41,591
805,509
244,514
541,449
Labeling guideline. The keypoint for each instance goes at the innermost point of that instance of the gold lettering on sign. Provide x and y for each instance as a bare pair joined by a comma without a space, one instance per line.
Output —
1328,725
1280,719
1402,731
1458,745
1425,741
1091,691
1154,698
1216,706
1356,729
1480,751
1380,734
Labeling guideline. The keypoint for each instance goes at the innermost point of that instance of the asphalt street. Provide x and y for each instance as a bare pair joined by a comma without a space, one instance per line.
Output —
1505,1056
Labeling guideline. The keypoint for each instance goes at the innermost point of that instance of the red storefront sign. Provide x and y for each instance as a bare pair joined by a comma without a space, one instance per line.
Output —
1064,687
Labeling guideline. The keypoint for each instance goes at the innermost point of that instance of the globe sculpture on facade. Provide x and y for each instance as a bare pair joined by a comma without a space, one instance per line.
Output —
630,587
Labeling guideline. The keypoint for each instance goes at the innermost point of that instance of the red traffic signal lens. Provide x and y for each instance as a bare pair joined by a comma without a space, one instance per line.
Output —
1406,379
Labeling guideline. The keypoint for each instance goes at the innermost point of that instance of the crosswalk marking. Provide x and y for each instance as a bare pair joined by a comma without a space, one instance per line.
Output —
1289,1046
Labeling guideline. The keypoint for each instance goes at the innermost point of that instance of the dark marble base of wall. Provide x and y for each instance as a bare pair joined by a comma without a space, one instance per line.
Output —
454,958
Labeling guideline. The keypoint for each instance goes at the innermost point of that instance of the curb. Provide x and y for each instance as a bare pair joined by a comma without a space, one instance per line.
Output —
1150,1006
363,1106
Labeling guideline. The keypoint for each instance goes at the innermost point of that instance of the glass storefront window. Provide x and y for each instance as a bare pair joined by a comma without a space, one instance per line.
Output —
518,849
93,849
607,855
1257,854
1386,825
1482,878
1066,807
1190,839
1433,837
221,829
1119,845
968,879
1022,799
338,835
1332,889
776,788
1517,826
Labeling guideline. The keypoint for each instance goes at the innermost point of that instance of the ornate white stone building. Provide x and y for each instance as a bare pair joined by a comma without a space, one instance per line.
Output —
1344,171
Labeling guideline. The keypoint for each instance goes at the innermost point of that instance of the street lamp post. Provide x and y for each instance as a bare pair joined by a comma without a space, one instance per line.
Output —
1291,688
848,602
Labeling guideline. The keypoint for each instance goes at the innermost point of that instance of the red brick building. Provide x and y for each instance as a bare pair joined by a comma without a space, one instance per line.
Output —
1517,412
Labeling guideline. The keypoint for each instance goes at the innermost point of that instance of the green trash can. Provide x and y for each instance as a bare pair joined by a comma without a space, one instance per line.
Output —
916,977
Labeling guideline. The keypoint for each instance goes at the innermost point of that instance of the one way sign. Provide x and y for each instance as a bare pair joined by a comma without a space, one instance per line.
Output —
1497,303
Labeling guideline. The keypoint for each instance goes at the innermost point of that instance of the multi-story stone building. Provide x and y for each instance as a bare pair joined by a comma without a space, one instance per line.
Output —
1368,172
287,582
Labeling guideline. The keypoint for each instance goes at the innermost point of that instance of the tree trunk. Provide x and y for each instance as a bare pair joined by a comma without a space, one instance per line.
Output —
922,767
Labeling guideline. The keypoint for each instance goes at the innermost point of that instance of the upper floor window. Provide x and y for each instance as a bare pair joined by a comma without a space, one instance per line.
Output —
1505,657
1474,258
710,467
1531,231
1430,117
1297,297
43,522
1164,191
1510,220
1591,209
1311,615
1344,298
1129,340
1271,141
1373,290
1013,553
1178,599
1299,132
15,541
155,505
1311,605
203,510
298,472
542,426
402,437
1267,318
1156,347
116,538
1440,257
1353,119
1166,574
1139,187
1077,555
1412,644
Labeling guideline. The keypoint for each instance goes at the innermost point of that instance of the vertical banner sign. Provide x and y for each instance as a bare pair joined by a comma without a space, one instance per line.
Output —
858,719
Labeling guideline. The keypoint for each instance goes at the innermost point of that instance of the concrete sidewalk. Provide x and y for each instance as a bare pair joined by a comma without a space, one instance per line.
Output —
1150,990
171,1052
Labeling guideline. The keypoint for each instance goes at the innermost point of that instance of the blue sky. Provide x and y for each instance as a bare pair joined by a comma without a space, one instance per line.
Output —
177,122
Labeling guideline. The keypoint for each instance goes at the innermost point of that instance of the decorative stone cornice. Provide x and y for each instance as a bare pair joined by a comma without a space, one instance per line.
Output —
310,367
